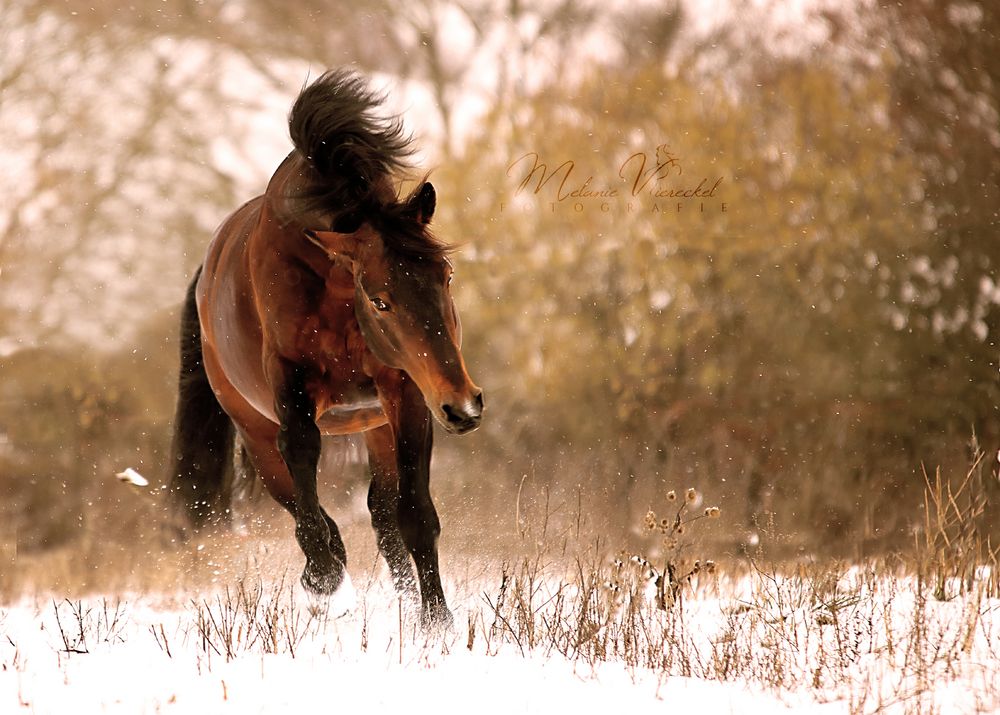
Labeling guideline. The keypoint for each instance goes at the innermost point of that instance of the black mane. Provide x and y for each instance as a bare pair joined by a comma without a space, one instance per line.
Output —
335,126
351,150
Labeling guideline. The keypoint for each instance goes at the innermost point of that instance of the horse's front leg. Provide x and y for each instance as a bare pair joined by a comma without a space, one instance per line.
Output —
418,520
299,445
383,503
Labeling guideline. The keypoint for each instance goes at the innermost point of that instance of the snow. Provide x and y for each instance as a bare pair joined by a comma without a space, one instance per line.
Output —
130,476
137,676
166,653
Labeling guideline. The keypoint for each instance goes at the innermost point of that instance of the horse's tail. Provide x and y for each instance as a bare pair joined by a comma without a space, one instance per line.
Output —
202,450
335,126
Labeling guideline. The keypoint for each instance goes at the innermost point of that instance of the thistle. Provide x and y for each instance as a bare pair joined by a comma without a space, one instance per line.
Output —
676,570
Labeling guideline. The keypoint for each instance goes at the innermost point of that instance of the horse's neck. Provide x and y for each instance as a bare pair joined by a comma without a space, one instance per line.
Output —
277,186
278,238
285,183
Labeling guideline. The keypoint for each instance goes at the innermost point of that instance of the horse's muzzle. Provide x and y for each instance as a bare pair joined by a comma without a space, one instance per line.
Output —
461,416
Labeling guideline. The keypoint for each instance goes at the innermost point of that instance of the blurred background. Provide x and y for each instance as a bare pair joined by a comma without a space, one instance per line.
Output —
800,344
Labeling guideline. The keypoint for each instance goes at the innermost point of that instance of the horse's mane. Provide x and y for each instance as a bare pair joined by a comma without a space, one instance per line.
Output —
351,150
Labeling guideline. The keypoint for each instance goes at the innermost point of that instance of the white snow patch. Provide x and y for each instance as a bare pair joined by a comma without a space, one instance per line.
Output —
196,653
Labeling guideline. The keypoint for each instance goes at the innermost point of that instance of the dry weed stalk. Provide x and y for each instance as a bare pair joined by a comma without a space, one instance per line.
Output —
676,570
88,626
246,619
955,551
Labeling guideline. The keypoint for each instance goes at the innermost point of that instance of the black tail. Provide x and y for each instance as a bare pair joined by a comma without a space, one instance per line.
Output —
202,452
336,127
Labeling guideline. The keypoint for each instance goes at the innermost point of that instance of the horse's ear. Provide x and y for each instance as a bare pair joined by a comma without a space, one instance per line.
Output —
424,202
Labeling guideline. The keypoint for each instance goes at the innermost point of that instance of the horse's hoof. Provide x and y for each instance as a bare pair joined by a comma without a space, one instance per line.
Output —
330,594
322,583
409,596
437,619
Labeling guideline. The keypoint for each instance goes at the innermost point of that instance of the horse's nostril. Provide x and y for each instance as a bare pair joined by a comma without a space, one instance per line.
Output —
450,414
465,416
479,401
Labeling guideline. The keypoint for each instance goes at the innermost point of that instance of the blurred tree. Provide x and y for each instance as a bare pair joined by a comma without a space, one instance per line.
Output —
807,347
745,345
945,84
101,220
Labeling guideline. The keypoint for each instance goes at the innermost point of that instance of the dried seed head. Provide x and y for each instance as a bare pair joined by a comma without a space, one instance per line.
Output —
671,495
650,521
691,494
710,566
679,529
664,523
712,512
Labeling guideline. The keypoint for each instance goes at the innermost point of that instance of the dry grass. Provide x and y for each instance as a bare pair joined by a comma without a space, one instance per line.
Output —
906,633
954,549
889,633
872,636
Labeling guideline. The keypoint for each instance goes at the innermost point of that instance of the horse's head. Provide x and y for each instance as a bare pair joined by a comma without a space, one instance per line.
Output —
403,303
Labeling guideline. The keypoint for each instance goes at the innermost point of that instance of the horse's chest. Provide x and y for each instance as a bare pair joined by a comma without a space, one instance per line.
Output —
337,352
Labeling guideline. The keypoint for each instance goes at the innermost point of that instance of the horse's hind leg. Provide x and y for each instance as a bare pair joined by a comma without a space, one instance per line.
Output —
383,503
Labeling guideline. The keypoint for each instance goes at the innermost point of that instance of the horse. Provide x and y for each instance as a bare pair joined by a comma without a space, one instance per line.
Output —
323,307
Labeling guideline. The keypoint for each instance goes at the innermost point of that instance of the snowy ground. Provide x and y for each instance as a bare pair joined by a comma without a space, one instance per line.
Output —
330,670
850,642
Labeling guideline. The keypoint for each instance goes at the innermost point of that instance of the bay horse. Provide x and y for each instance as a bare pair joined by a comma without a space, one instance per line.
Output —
323,307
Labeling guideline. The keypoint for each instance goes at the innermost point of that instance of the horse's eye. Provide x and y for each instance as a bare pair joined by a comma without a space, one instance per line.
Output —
380,304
